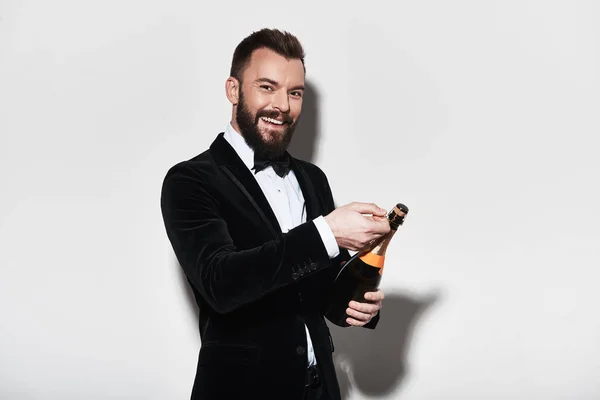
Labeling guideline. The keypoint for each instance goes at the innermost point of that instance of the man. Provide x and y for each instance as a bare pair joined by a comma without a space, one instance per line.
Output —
260,241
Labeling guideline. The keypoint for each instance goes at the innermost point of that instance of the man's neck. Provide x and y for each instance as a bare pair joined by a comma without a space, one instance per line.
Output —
235,126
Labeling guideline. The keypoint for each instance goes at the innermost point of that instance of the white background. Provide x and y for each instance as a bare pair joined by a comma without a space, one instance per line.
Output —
481,116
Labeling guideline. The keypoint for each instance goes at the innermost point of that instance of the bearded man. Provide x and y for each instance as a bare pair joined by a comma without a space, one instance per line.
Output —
260,240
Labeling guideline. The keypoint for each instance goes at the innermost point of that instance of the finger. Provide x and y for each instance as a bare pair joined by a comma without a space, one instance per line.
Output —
379,212
353,322
368,208
365,308
377,227
357,315
383,226
378,304
375,296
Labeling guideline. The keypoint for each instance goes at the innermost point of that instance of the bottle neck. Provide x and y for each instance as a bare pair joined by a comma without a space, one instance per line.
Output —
382,245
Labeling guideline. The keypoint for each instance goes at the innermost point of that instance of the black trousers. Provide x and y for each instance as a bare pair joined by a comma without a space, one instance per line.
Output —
315,393
314,389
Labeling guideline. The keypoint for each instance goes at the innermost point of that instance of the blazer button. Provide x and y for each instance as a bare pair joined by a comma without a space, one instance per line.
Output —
300,350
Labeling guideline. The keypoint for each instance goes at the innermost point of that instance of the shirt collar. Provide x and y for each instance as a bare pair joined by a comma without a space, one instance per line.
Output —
237,141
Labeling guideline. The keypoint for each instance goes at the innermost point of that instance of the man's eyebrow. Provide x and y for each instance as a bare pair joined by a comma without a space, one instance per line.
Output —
275,83
267,80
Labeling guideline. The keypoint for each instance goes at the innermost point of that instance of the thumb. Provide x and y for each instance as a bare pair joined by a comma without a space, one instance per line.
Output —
368,208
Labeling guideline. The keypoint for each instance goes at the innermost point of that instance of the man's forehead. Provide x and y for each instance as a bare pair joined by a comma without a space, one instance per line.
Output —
265,63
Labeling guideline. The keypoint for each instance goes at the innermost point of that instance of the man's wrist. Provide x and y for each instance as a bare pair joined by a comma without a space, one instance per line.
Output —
327,237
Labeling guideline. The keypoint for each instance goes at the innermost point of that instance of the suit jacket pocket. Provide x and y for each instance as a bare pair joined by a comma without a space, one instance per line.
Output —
228,355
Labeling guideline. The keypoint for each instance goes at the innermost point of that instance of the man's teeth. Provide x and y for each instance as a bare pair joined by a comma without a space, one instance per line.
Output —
271,120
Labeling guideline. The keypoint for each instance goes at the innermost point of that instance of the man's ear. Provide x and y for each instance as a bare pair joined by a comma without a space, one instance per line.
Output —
232,90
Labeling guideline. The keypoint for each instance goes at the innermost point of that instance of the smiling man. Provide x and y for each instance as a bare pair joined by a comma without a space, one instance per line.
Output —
268,117
260,240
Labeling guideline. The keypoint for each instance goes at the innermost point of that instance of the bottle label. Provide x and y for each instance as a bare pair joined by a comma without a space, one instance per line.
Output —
374,260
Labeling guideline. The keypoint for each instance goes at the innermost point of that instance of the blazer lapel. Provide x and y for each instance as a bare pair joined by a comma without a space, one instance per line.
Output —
308,190
235,169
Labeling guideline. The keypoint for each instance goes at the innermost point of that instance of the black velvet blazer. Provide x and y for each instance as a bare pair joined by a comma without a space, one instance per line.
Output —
255,286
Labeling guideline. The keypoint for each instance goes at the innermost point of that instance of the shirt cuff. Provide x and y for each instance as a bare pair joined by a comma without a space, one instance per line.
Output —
327,237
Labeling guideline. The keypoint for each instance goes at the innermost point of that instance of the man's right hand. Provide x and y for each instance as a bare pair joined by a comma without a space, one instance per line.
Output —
356,224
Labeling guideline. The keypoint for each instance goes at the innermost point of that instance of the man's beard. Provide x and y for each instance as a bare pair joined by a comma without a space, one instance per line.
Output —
250,131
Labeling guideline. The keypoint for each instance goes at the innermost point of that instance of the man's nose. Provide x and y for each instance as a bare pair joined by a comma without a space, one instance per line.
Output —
281,101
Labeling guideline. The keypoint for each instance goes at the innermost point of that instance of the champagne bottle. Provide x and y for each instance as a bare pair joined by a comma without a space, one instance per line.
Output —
363,271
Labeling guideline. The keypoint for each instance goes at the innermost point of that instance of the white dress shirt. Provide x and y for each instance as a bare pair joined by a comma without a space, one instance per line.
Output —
285,198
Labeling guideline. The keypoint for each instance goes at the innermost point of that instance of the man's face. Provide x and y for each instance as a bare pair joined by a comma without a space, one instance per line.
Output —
270,101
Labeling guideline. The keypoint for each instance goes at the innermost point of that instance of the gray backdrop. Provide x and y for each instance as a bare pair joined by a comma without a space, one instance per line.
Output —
481,116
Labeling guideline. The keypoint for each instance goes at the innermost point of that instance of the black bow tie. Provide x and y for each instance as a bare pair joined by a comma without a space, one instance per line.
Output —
281,165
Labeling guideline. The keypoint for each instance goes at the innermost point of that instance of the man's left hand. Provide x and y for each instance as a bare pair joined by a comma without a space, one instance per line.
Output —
361,313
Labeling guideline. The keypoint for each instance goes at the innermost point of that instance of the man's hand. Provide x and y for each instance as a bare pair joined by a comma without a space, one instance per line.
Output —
361,313
356,224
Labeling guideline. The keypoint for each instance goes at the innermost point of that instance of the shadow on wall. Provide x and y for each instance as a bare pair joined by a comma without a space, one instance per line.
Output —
306,135
375,362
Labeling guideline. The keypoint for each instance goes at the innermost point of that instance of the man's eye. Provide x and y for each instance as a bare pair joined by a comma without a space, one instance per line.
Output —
296,94
266,87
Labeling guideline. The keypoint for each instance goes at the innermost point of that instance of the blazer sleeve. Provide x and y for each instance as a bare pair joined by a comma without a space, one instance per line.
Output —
225,276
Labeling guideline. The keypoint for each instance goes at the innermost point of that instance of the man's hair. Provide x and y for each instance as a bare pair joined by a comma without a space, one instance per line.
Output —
282,43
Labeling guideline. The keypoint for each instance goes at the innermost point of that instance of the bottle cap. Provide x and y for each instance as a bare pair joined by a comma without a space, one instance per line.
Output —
396,216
